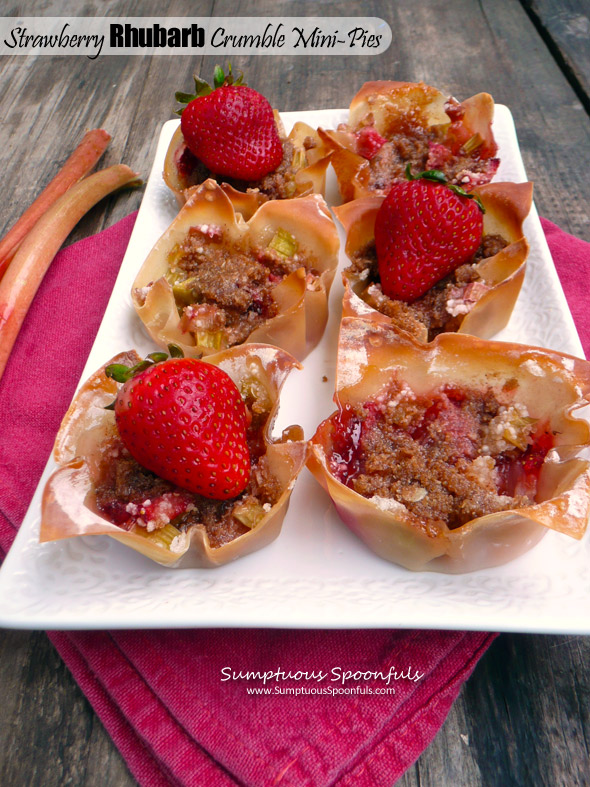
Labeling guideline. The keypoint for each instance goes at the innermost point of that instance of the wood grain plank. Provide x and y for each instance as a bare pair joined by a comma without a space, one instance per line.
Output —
564,26
131,97
49,732
521,719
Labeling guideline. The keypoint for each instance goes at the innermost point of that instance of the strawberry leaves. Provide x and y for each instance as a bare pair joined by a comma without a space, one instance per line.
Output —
202,88
121,373
436,176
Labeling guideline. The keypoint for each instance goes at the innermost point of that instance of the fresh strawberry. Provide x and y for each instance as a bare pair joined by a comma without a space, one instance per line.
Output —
369,141
184,420
231,129
424,229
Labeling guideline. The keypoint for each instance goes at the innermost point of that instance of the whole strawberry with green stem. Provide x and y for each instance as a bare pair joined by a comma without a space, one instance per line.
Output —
186,421
424,230
230,128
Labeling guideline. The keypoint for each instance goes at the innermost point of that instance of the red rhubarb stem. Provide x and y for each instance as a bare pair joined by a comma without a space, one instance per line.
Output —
81,161
35,254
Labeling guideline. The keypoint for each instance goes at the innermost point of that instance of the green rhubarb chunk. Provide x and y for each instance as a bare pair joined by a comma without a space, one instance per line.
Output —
175,256
518,435
185,291
162,537
284,243
249,513
211,339
299,159
254,391
473,143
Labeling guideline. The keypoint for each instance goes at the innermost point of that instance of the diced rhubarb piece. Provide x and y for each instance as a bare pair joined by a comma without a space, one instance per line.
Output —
249,513
437,156
210,339
283,243
369,142
473,143
469,180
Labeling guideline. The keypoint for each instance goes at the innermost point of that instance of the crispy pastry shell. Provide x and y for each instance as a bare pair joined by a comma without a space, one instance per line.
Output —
68,500
552,386
507,205
310,177
303,305
391,105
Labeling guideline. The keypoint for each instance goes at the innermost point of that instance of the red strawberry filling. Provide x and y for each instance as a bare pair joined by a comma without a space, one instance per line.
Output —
447,457
463,158
438,155
187,164
522,473
129,507
130,496
223,290
369,141
442,308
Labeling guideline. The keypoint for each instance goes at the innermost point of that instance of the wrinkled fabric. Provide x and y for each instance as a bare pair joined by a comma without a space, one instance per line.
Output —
159,694
572,262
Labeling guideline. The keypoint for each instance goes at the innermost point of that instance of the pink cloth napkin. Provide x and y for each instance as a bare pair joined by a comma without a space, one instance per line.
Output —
572,261
160,694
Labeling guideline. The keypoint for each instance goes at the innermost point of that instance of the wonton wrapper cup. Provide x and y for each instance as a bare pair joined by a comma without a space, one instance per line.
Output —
507,205
551,385
310,176
302,305
68,500
392,105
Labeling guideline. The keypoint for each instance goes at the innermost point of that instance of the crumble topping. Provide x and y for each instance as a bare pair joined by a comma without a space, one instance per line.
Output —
443,306
279,184
223,288
534,368
464,162
446,457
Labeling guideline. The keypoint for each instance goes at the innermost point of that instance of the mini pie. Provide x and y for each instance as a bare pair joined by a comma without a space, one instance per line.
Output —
420,127
232,271
477,298
302,171
100,489
457,455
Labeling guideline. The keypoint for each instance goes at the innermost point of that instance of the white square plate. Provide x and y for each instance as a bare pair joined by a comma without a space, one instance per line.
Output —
317,574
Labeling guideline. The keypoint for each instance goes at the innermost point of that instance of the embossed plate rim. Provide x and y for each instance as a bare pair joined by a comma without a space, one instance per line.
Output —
317,574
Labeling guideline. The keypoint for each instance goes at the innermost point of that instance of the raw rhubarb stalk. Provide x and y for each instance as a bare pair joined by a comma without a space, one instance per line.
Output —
81,161
35,254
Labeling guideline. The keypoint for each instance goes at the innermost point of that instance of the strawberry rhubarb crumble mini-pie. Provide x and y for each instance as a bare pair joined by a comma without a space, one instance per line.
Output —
230,133
174,457
431,260
455,455
215,280
395,124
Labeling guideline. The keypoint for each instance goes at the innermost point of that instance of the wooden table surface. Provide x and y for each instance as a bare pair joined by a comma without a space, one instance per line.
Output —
524,716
